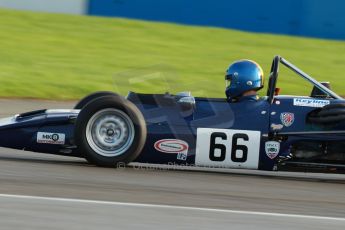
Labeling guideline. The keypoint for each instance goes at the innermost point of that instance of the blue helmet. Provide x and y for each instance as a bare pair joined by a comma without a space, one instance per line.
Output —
241,76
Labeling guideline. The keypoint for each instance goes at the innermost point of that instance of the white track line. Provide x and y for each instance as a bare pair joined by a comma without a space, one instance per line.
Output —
171,207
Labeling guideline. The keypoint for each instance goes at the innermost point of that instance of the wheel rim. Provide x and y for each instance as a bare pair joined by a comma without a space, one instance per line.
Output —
110,132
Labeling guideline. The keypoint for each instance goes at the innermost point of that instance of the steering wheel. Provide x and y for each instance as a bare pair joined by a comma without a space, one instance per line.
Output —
273,78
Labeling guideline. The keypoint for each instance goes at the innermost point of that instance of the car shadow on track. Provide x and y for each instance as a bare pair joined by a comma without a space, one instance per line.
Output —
75,161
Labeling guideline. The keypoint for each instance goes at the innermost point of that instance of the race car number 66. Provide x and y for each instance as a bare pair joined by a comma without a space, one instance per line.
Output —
227,148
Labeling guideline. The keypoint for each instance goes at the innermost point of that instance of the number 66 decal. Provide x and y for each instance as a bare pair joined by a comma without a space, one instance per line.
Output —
234,147
227,148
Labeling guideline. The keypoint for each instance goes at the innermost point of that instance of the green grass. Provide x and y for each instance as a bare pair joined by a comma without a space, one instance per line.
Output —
65,57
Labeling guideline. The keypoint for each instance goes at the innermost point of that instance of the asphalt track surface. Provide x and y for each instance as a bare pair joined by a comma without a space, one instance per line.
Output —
39,191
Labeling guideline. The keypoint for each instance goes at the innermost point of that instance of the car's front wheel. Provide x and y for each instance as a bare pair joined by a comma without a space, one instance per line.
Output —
84,101
110,130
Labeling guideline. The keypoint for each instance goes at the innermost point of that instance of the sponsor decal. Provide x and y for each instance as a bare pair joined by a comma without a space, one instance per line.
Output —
277,126
308,102
174,146
272,149
51,138
287,119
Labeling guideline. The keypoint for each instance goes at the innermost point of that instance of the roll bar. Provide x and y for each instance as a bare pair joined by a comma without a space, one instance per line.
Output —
274,77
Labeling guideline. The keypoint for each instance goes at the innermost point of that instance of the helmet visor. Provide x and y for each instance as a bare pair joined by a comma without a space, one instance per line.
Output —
227,80
227,83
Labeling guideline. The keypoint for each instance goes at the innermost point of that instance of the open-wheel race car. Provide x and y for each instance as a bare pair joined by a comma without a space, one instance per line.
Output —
108,129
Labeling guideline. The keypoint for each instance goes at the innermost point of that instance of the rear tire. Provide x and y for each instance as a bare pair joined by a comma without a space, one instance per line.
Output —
328,115
110,130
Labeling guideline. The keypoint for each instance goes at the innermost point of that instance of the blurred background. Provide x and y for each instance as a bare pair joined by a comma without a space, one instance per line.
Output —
65,49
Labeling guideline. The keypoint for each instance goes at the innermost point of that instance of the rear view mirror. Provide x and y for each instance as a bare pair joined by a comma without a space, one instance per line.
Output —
316,92
186,102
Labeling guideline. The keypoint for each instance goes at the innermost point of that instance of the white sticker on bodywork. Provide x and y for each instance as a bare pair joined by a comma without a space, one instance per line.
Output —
51,138
272,149
276,126
308,102
227,148
174,146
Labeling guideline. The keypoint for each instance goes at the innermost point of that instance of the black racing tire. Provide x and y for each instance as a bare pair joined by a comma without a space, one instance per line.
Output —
334,106
84,101
327,120
328,115
114,108
331,112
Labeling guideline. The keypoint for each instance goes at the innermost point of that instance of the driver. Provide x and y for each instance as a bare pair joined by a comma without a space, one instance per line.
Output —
243,79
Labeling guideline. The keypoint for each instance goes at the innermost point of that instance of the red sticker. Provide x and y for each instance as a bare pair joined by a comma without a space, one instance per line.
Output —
171,146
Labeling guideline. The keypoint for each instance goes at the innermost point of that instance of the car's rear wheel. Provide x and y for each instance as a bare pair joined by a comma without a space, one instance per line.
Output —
328,115
84,101
110,130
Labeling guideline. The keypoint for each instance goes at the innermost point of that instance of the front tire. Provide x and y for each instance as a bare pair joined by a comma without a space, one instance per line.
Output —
84,101
110,130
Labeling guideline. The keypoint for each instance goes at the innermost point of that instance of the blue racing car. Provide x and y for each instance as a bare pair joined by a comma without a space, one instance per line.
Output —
241,130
